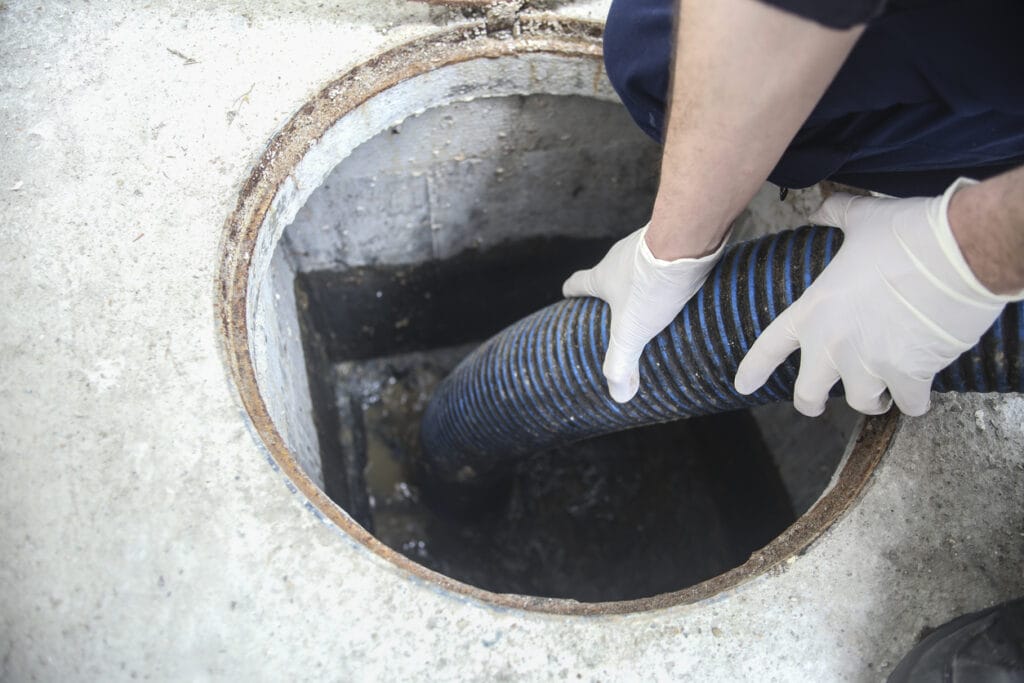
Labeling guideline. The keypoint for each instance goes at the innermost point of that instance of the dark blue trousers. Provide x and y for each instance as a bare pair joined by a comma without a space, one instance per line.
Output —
931,92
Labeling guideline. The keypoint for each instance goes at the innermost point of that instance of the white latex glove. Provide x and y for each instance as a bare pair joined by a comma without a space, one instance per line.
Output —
645,294
896,305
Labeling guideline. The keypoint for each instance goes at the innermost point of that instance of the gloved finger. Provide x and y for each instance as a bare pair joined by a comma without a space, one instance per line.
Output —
833,211
817,376
768,351
865,392
913,396
580,283
622,370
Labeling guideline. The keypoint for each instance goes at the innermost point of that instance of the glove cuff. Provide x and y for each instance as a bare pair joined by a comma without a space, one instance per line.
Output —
680,264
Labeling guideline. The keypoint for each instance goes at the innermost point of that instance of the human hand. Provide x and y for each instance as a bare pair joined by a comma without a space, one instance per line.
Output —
896,305
645,294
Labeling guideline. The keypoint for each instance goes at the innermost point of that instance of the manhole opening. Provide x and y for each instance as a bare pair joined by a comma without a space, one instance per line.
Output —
438,233
391,227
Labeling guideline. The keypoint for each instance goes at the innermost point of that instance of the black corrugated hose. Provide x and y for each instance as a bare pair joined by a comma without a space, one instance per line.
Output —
538,383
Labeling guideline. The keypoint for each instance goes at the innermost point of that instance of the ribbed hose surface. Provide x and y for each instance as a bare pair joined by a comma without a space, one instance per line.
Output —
538,383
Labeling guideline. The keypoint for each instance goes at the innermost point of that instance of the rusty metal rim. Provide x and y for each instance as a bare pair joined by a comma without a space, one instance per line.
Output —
536,33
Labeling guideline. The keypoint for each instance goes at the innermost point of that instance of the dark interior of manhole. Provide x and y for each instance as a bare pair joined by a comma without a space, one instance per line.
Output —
435,235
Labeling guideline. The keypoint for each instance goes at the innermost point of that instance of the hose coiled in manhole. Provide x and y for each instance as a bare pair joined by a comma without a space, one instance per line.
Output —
538,383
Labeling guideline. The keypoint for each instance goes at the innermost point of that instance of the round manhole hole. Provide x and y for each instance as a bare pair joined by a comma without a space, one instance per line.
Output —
416,206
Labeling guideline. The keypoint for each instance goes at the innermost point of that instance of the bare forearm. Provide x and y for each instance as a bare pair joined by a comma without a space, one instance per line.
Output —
988,222
745,78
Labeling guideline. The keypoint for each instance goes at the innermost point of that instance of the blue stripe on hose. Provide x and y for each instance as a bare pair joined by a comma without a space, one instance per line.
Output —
751,296
683,352
597,383
830,239
650,395
787,270
542,393
674,394
507,384
700,358
478,431
594,399
770,281
770,387
787,373
720,360
575,362
599,344
808,275
775,379
557,363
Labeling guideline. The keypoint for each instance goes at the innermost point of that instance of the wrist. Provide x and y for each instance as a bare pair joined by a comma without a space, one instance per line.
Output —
972,213
682,264
673,240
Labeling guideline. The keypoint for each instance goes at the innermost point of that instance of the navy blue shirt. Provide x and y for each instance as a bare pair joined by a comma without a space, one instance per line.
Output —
932,90
831,13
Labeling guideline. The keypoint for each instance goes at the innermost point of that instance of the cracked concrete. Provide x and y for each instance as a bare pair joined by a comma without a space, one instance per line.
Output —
147,535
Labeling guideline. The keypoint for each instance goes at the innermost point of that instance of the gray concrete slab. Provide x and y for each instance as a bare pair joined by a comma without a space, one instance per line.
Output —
147,535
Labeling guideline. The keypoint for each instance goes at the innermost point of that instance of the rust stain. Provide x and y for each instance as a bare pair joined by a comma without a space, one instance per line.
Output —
539,33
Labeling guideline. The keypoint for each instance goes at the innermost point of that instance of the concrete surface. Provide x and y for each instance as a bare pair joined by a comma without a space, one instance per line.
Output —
146,535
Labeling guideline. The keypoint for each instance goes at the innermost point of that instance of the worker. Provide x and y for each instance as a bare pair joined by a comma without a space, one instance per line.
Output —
921,101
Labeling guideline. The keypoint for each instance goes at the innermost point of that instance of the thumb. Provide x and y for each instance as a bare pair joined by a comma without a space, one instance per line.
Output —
833,211
622,370
580,283
768,352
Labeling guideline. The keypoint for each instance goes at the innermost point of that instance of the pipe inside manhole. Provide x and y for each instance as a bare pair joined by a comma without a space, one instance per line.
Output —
450,205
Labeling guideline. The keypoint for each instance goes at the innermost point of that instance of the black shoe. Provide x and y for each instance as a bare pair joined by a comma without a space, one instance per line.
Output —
984,647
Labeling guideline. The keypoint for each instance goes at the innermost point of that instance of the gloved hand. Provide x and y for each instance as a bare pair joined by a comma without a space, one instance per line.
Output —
645,294
896,305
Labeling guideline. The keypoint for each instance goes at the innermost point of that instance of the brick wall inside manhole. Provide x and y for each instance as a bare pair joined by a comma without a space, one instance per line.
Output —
428,237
